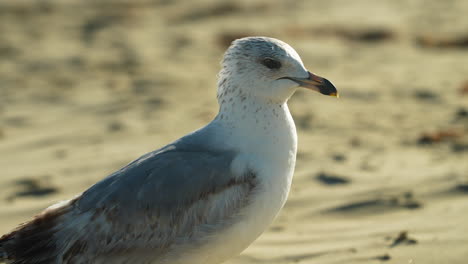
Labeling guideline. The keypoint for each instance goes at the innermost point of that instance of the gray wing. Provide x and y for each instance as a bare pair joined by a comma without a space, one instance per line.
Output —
161,180
173,196
165,198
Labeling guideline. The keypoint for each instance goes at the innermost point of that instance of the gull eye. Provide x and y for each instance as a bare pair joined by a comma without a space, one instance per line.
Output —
271,63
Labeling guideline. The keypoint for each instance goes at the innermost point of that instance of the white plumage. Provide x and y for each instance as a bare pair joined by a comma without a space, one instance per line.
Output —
201,199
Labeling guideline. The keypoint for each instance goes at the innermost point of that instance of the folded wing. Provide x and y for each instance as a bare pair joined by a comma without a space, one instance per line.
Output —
166,198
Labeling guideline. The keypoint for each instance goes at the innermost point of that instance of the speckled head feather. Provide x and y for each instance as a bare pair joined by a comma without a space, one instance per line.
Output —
244,72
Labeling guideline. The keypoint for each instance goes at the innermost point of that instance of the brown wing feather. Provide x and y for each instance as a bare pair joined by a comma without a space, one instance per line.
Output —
33,242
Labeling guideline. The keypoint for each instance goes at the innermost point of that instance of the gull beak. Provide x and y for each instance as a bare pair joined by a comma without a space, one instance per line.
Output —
316,83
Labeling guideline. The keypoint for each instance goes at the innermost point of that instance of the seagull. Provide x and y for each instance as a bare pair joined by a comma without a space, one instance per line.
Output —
201,199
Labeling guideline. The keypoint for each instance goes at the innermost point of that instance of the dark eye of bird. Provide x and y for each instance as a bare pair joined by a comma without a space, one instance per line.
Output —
271,64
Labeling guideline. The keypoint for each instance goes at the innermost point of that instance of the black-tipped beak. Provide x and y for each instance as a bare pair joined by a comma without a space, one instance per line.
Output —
316,83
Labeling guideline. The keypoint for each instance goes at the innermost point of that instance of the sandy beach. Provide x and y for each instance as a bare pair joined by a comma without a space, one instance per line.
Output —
382,172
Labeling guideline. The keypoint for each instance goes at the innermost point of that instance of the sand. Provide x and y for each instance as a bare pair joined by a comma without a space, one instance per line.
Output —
382,172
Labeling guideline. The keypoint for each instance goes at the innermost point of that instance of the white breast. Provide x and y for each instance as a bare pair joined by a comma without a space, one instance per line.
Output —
268,148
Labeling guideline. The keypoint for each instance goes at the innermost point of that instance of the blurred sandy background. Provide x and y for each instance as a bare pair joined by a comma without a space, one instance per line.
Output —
382,172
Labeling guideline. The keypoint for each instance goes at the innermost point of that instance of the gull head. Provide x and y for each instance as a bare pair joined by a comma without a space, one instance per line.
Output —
266,69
